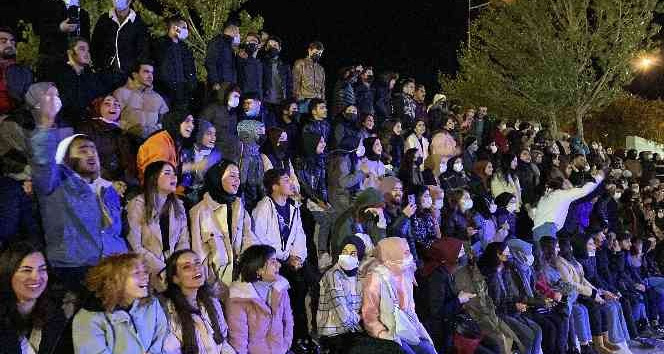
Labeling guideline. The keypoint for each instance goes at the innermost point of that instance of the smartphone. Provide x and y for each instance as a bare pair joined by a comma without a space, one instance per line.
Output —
411,199
74,15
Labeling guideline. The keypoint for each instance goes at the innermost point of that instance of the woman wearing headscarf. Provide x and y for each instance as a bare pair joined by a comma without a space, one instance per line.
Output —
338,316
170,145
275,153
250,162
506,204
410,173
438,301
220,225
114,146
388,307
455,176
373,165
204,149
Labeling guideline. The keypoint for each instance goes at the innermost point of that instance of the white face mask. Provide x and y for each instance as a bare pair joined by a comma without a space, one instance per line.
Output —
467,205
617,196
71,2
183,34
348,262
591,253
530,260
121,5
511,207
492,208
493,149
458,167
234,102
442,168
427,202
236,40
587,168
408,264
438,204
360,150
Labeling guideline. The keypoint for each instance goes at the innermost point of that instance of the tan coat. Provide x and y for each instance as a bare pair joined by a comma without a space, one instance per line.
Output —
145,238
308,79
573,274
218,248
141,109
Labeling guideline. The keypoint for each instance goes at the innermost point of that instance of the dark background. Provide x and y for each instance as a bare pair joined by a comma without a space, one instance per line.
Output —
416,38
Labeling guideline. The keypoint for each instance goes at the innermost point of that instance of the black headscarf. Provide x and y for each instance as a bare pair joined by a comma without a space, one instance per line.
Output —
368,149
213,183
171,123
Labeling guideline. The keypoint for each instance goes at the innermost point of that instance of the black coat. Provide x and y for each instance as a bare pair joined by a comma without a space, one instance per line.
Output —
221,61
55,336
285,74
438,307
19,78
76,92
167,55
19,213
364,98
132,43
250,75
53,42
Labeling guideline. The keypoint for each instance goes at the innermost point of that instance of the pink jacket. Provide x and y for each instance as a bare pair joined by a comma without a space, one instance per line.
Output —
256,327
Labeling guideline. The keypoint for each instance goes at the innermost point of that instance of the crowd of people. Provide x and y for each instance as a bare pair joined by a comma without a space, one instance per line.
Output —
137,218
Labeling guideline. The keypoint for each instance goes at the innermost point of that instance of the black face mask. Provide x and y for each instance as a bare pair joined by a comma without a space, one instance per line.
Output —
316,57
273,53
350,117
251,48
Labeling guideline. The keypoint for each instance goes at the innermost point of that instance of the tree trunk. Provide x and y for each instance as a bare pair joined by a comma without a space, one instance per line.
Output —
554,126
579,124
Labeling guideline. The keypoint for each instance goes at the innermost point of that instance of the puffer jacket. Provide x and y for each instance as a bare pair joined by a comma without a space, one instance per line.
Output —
257,326
308,79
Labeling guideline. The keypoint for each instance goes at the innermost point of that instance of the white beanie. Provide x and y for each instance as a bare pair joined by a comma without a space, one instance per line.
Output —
63,147
438,97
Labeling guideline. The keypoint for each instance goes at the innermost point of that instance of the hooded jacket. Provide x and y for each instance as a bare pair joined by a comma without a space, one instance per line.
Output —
347,224
257,327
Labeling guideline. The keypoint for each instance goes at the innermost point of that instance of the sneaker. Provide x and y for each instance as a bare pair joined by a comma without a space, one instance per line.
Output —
646,343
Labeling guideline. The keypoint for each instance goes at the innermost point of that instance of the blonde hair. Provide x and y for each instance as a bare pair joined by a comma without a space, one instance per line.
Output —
107,279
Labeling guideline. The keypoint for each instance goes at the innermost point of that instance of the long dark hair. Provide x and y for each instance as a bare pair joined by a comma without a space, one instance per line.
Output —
150,191
506,166
184,310
548,251
489,260
10,260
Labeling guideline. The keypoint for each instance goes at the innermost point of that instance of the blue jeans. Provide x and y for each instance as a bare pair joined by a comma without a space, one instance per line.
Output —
581,320
425,347
616,320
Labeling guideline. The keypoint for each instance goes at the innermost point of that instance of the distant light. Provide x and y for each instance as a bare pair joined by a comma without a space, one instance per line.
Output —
646,63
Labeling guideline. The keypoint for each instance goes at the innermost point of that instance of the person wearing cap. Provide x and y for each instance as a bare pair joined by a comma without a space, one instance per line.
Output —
81,211
340,301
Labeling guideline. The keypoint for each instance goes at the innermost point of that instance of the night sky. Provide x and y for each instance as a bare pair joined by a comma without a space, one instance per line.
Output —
416,38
